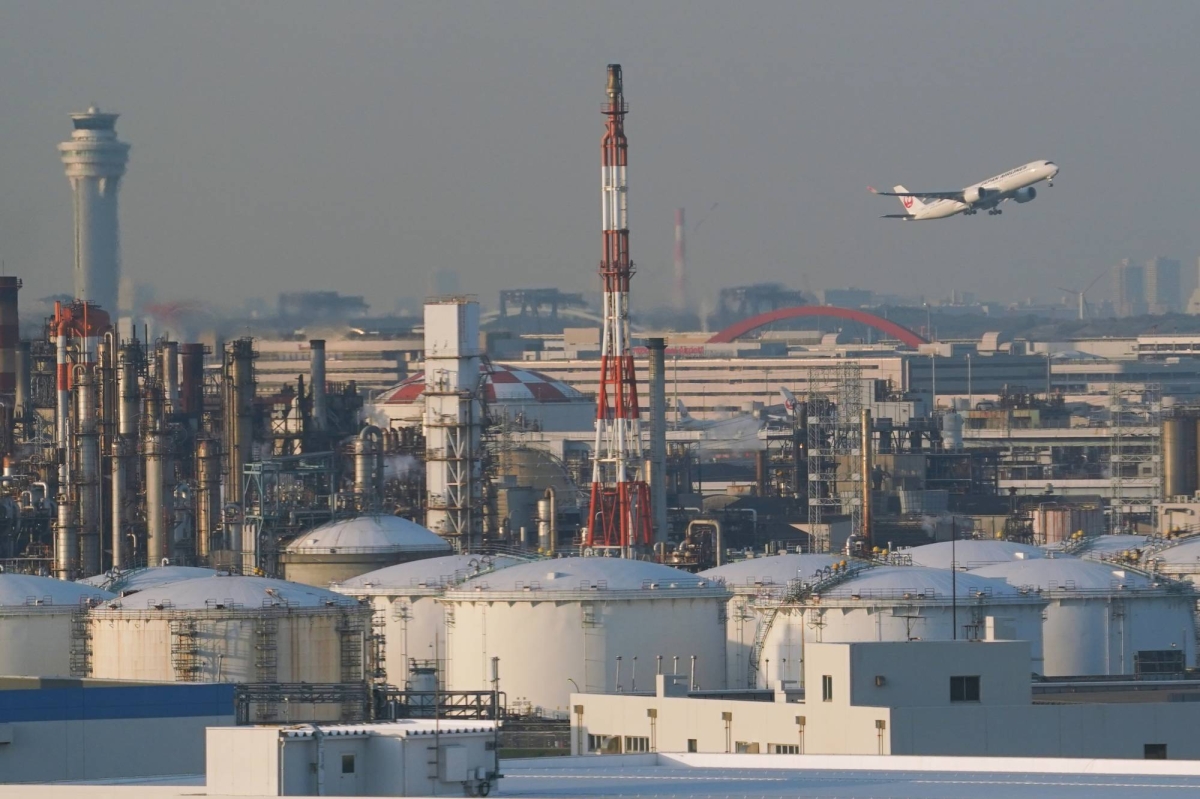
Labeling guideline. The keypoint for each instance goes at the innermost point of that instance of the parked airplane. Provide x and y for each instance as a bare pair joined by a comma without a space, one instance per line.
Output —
1015,184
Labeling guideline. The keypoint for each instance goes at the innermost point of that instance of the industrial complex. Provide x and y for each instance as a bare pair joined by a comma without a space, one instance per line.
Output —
373,557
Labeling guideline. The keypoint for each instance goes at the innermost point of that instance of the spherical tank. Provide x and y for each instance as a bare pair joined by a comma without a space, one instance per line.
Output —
1103,619
345,548
405,599
559,626
35,623
759,580
894,603
231,629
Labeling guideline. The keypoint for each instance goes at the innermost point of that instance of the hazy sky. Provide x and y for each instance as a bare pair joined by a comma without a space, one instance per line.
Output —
362,146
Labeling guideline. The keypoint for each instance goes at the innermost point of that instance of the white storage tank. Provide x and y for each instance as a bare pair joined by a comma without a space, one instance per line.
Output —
345,548
893,603
139,579
970,553
36,616
405,599
1103,619
559,626
758,580
1179,560
231,629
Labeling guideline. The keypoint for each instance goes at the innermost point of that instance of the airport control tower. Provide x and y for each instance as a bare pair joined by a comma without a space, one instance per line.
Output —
95,162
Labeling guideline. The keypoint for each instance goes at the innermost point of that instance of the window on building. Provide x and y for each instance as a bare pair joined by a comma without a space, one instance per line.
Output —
1159,661
347,764
783,749
692,745
636,743
964,689
603,743
827,688
746,748
1156,751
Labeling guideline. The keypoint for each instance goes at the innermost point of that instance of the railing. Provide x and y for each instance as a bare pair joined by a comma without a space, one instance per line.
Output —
392,703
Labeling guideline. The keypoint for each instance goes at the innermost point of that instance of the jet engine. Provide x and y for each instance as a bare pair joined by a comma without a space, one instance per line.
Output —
975,195
1025,195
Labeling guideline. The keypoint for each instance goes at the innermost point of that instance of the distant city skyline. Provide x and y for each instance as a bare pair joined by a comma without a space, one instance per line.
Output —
390,150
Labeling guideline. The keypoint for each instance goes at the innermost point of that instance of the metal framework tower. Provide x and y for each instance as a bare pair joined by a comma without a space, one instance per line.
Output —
834,408
1135,459
453,422
619,512
95,163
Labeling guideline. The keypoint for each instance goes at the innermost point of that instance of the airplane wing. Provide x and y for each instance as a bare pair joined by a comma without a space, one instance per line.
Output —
897,216
921,195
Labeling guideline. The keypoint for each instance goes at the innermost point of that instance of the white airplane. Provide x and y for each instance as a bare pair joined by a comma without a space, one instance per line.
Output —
1015,184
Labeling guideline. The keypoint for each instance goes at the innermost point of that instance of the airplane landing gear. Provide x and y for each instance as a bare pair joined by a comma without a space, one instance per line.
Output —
994,212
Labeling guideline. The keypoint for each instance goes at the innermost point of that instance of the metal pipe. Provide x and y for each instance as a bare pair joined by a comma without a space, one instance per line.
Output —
865,478
552,521
157,545
658,436
239,413
122,452
88,479
317,382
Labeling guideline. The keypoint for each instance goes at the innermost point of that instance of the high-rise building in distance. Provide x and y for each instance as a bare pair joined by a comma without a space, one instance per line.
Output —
1164,285
1129,289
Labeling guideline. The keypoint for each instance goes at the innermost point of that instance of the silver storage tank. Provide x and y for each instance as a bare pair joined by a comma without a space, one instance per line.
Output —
37,635
345,548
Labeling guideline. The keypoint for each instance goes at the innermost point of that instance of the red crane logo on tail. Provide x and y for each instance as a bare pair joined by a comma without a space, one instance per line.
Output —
907,201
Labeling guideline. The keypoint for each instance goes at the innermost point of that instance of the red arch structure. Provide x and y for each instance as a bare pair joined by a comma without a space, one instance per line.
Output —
736,331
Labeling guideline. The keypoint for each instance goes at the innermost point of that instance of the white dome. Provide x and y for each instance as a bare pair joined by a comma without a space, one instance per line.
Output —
1186,553
1050,574
895,582
586,574
1096,546
428,574
971,554
140,579
373,534
229,591
17,590
771,570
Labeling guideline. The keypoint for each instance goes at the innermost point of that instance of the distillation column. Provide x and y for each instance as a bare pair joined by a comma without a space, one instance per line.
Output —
208,494
87,483
658,437
124,450
158,546
320,413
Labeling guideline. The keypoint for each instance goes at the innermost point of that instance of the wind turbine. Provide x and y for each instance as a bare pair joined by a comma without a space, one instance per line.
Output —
1082,295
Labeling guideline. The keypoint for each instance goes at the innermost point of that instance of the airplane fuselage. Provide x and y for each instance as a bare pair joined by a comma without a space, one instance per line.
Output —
987,194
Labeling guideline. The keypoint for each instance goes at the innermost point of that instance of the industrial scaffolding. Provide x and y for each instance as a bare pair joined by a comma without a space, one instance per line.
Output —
833,405
1135,457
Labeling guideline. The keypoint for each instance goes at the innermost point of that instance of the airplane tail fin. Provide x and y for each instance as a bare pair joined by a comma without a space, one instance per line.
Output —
911,204
789,400
682,410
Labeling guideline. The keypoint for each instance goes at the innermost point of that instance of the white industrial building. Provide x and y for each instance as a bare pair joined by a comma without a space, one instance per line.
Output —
960,698
36,618
883,603
344,548
1105,619
407,607
970,553
599,624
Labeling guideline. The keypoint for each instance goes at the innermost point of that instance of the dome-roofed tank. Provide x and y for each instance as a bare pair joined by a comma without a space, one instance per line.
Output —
1105,619
140,579
1180,560
405,597
886,603
971,553
1098,547
233,629
345,548
557,624
35,623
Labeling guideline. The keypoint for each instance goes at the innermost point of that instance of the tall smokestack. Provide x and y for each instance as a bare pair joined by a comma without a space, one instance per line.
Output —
10,336
169,374
658,436
317,381
191,380
679,295
95,162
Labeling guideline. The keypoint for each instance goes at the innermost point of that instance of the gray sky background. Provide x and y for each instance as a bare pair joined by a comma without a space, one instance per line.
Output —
362,146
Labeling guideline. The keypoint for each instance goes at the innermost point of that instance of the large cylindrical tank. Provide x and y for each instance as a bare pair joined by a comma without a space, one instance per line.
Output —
140,579
231,629
1053,523
36,633
558,624
348,547
1103,619
895,603
952,430
759,580
1178,436
405,598
520,506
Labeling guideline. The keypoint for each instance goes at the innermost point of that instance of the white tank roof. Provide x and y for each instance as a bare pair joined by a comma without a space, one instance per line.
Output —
375,533
971,554
1064,573
230,591
425,574
1185,553
770,570
894,582
17,590
1103,544
140,579
583,574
